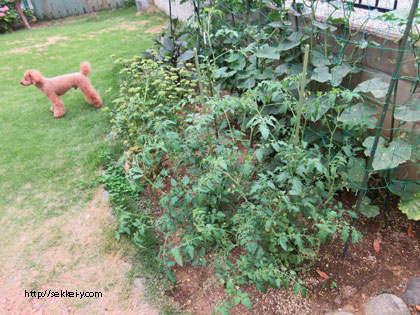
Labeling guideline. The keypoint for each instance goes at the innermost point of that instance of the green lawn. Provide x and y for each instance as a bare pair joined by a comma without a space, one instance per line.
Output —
43,211
43,159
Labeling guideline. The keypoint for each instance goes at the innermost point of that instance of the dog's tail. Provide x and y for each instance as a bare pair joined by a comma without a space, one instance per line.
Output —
85,68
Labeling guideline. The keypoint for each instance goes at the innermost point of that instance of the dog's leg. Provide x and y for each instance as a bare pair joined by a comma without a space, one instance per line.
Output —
57,105
91,96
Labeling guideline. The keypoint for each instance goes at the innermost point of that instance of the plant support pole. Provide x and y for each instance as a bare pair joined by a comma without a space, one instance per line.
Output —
394,79
170,18
301,96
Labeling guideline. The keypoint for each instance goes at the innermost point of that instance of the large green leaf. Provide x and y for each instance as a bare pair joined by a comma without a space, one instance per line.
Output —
367,209
297,37
268,73
377,87
168,43
223,73
411,207
186,55
387,157
177,255
236,61
282,69
356,172
324,26
408,113
413,140
321,74
268,52
338,73
314,108
287,45
319,60
406,190
359,114
247,84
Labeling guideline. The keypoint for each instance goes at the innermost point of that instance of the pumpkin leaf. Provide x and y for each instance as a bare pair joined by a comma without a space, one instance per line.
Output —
186,55
223,73
367,209
324,26
406,190
282,69
321,74
356,173
390,156
408,113
287,45
268,52
377,87
359,113
338,73
319,60
411,207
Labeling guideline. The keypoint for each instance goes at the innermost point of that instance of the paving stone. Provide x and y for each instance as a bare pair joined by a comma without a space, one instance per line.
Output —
411,295
139,285
105,194
386,304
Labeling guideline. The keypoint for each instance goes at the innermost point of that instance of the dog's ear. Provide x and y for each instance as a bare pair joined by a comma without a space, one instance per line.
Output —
34,76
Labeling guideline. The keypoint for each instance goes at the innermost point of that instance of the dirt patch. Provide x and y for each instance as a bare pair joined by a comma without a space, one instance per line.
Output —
198,292
125,26
365,272
155,29
66,20
40,46
69,252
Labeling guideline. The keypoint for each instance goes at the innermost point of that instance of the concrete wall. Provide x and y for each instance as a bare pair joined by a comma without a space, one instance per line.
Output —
180,11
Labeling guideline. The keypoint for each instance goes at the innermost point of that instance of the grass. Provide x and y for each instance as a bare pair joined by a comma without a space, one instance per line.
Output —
43,160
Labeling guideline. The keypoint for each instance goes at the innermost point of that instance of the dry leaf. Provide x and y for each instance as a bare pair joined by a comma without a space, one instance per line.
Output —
418,307
322,274
376,246
410,231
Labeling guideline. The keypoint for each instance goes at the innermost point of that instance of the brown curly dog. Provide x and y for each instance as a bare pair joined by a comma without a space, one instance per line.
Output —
53,88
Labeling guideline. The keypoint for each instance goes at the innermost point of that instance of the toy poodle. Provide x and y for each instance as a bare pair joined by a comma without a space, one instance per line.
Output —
53,88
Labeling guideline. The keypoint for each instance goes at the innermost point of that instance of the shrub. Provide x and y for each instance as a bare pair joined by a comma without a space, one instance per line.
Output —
9,18
150,92
129,3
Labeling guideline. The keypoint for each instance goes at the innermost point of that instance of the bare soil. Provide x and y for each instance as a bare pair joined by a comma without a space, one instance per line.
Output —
74,251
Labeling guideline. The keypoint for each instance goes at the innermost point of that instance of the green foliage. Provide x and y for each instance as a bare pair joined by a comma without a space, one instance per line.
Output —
411,207
129,3
150,92
279,218
228,178
409,193
388,155
172,45
9,18
115,181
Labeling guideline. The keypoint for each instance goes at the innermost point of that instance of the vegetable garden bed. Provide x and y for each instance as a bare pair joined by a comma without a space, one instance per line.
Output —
254,184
